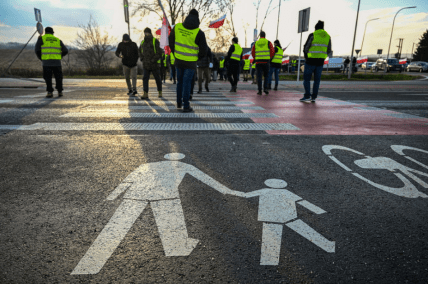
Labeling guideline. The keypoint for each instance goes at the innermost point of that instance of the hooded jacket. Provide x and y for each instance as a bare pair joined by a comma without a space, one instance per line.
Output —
191,22
148,56
129,52
315,61
206,60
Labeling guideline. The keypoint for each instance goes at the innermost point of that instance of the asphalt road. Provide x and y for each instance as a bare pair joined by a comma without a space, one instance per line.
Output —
89,194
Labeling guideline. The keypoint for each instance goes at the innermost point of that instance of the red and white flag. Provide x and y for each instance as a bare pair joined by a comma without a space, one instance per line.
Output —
286,60
217,23
362,59
326,60
403,61
164,33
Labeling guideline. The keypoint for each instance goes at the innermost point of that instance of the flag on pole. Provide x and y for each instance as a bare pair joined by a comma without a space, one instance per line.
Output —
326,60
403,61
286,60
164,33
217,23
362,59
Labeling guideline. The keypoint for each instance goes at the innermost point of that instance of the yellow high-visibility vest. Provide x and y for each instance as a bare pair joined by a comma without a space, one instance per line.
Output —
262,50
278,56
185,47
254,65
237,53
319,45
51,47
247,64
172,58
221,64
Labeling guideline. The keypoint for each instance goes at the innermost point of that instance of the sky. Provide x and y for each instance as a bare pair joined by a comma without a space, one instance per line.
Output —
17,21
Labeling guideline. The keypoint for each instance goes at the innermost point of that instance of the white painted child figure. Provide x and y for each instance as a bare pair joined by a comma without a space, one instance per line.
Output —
155,183
277,206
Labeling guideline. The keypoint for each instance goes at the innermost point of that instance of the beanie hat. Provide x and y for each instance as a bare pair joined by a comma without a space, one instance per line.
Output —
49,30
276,42
147,30
235,40
262,34
319,25
126,37
194,12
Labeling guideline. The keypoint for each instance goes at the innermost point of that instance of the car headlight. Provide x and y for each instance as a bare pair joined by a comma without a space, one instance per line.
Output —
389,65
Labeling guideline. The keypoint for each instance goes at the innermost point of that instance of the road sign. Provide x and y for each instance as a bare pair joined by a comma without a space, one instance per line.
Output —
38,15
379,51
304,20
39,27
126,7
357,51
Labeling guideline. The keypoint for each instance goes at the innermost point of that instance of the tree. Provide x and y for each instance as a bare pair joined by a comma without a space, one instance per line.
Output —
94,45
421,53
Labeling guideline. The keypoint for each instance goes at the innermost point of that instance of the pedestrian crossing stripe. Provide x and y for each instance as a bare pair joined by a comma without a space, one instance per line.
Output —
128,102
161,102
195,107
169,115
194,99
152,127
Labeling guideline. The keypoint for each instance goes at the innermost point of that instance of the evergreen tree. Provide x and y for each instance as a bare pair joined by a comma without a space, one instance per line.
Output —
421,53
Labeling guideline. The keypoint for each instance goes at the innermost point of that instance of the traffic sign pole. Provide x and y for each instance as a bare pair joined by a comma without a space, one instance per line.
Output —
353,44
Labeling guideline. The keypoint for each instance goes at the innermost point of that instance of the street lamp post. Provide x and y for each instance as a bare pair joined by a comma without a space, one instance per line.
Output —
392,30
364,37
353,43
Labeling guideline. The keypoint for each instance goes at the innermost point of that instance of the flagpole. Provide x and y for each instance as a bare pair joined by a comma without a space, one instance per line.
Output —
163,10
277,26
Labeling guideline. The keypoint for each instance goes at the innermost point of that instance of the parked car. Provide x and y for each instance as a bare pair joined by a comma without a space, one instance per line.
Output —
418,66
367,65
393,65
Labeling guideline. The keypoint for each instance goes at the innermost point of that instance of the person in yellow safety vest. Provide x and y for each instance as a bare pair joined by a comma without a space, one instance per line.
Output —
221,69
50,50
188,43
262,52
163,67
150,54
293,65
234,57
253,72
246,69
172,74
317,48
275,65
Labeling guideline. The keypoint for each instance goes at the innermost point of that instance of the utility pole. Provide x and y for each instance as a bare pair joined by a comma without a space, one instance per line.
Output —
353,44
277,26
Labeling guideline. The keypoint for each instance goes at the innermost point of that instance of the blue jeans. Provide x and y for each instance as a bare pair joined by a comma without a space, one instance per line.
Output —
307,75
262,71
184,82
272,71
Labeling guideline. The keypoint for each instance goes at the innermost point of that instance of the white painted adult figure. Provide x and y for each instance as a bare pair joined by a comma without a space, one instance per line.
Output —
157,184
277,206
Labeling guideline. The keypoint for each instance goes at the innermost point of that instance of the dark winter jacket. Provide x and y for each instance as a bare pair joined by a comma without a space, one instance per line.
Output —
315,61
229,54
191,22
275,65
129,52
148,55
206,60
216,64
38,50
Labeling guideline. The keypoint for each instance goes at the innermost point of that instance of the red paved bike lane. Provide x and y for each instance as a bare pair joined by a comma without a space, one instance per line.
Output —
330,116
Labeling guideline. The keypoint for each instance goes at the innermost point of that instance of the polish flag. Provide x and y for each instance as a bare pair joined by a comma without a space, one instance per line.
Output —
286,60
164,33
167,50
326,60
362,59
403,61
217,23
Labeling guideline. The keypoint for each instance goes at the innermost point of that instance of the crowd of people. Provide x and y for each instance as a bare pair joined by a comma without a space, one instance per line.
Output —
191,61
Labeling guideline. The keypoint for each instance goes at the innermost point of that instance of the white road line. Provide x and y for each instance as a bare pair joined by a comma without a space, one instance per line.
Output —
271,244
311,235
311,207
152,126
168,115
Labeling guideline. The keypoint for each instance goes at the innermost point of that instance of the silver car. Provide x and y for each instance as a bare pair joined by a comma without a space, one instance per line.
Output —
418,66
367,65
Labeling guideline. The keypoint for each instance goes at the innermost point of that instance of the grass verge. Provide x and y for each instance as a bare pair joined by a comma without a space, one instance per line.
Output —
357,77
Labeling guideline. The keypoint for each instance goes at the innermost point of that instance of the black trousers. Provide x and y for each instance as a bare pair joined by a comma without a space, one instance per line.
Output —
47,75
146,78
233,74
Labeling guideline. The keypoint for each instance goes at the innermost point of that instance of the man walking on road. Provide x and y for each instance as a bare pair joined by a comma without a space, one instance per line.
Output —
204,72
188,43
317,48
262,53
128,51
50,50
234,57
275,65
221,68
150,54
246,69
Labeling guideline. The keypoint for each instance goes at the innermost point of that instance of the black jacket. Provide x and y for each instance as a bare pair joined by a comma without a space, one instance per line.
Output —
38,50
229,54
129,52
216,64
191,22
206,60
315,61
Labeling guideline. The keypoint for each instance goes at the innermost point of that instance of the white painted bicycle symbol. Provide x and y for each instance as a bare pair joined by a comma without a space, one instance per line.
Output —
402,172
